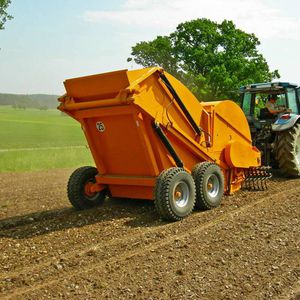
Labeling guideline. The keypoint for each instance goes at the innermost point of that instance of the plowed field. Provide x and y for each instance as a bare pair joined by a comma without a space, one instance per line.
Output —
248,248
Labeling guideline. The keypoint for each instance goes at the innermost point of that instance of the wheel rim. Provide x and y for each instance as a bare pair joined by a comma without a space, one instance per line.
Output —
88,194
298,150
213,186
181,194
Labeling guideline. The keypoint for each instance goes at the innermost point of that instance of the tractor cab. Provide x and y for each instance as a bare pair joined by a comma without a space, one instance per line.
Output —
273,112
254,99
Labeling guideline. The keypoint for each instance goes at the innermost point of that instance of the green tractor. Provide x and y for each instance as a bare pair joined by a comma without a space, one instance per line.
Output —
272,110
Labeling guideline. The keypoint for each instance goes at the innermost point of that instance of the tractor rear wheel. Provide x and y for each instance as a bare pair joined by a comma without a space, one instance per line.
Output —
78,194
174,194
287,151
209,182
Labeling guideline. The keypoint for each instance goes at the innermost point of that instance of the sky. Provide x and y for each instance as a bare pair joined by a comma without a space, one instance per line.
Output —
49,41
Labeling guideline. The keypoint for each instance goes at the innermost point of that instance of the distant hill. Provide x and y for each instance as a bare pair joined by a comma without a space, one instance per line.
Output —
39,101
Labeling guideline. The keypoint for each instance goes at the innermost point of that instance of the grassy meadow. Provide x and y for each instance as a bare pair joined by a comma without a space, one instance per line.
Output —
37,140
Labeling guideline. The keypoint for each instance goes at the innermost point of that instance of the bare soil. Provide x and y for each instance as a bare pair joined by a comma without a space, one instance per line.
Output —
248,248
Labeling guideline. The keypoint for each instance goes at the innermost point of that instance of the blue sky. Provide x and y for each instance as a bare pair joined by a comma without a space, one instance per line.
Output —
49,41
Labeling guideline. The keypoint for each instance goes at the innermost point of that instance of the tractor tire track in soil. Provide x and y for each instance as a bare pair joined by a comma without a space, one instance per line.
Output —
248,248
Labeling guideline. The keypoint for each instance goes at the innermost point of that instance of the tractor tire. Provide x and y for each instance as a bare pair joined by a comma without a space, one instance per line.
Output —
174,194
287,152
209,181
76,189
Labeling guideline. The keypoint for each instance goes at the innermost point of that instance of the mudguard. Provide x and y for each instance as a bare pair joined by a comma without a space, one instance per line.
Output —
285,121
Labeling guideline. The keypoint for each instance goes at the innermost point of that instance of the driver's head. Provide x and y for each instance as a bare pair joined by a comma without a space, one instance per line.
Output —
273,98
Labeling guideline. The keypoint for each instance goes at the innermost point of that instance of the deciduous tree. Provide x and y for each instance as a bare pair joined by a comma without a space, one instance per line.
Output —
4,16
212,59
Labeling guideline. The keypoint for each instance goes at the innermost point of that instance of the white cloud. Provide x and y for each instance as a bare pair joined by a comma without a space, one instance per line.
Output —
257,16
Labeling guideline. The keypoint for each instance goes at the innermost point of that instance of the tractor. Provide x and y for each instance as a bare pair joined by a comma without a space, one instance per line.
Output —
277,136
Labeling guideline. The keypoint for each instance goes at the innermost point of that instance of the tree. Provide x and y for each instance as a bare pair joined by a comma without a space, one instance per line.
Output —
4,16
212,59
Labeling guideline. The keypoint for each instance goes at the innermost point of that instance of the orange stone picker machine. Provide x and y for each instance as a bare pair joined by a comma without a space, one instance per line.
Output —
152,139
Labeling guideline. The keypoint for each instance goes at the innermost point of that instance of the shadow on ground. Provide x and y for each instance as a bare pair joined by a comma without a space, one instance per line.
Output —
131,212
135,213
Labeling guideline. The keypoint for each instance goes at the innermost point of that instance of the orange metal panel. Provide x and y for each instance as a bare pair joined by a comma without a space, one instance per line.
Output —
103,111
145,143
235,155
123,145
134,192
92,104
88,87
125,180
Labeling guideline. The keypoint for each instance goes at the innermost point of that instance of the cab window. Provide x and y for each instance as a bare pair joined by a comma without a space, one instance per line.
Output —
291,94
247,103
281,100
259,104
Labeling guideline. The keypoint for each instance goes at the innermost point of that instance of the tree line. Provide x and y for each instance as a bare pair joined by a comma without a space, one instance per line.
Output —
42,102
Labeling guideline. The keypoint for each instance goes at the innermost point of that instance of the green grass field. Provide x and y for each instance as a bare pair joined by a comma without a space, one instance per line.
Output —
37,140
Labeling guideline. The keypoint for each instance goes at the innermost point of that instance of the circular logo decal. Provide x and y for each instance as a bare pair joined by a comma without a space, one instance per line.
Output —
100,126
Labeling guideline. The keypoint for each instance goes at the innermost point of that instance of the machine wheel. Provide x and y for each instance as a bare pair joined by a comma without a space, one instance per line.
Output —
287,150
209,182
174,194
77,193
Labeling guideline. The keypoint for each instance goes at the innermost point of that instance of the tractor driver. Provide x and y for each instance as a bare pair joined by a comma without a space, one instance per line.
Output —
273,108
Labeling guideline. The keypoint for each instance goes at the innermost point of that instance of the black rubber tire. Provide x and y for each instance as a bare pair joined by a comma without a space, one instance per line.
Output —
164,190
287,147
157,189
201,173
76,193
